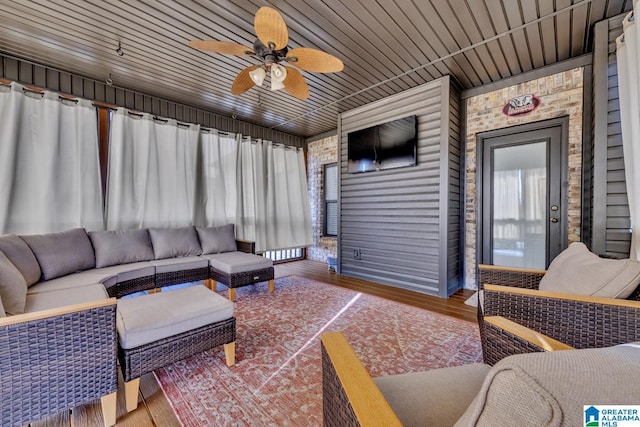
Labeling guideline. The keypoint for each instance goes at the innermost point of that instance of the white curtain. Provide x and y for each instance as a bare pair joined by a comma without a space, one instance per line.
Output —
252,175
519,203
288,211
152,172
628,57
49,165
259,186
216,188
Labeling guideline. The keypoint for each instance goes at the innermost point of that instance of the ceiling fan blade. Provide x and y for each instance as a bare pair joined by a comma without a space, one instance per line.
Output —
315,61
226,48
271,28
243,82
295,85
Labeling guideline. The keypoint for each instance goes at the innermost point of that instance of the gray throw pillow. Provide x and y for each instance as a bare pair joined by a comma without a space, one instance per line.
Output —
578,271
13,287
22,257
217,239
62,253
2,312
175,242
121,246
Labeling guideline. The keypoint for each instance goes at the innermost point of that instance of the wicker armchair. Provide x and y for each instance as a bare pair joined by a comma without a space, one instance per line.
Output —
579,321
56,359
476,394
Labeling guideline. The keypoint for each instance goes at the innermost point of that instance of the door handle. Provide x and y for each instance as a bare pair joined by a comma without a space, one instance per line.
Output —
554,220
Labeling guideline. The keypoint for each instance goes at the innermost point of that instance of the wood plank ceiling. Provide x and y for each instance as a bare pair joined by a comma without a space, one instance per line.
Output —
387,46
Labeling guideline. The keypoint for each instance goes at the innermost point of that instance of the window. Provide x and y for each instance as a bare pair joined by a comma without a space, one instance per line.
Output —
331,199
285,255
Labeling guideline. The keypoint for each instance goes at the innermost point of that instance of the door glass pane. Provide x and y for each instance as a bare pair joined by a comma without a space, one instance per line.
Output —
520,205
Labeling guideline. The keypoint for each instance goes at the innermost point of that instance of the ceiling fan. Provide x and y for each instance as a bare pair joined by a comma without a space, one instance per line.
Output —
271,48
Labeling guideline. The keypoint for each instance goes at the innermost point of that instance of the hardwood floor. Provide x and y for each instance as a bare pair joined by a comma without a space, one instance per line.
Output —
153,408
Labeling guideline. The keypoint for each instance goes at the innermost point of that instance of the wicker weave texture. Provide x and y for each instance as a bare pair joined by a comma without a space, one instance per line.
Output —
336,408
246,246
184,276
498,344
242,279
516,279
56,363
138,361
576,323
131,286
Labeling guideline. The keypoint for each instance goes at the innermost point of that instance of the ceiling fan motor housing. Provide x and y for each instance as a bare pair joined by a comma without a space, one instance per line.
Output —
268,54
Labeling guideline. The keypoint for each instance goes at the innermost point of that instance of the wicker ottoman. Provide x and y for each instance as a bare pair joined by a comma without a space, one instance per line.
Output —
235,269
161,328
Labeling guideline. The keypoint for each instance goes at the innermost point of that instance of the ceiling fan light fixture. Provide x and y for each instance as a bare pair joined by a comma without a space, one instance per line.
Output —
258,75
270,47
278,74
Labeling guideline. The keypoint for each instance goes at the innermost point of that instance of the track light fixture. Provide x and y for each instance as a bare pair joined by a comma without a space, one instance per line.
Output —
119,50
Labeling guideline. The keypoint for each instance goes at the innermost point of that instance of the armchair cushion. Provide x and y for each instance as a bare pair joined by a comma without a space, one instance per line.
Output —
174,242
13,287
217,239
22,257
551,388
62,253
578,271
121,246
424,398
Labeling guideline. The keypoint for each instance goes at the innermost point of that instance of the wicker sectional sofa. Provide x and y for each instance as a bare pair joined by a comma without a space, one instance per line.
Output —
58,339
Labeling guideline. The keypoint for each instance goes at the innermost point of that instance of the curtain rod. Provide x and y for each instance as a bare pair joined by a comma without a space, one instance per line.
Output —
65,97
35,89
61,96
220,132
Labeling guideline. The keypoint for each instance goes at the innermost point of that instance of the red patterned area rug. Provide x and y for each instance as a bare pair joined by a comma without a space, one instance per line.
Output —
277,380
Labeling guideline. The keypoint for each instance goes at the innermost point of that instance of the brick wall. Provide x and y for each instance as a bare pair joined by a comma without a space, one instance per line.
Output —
319,154
561,95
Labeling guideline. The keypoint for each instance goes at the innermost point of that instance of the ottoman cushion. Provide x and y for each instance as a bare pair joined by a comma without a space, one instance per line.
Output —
148,318
238,262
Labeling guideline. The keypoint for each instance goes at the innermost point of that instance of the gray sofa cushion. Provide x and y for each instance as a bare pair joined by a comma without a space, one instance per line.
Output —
433,398
123,272
175,242
121,246
63,297
172,265
217,239
148,318
238,262
22,257
76,280
62,253
578,271
13,287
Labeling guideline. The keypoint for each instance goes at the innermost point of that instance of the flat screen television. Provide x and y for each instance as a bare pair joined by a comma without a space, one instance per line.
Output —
386,146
